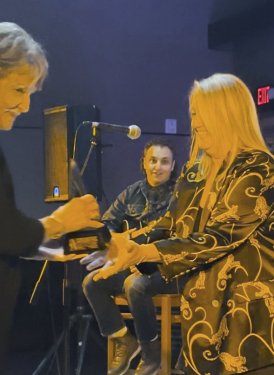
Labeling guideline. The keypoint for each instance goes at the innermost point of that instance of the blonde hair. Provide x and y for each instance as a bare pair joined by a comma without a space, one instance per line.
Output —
17,48
227,110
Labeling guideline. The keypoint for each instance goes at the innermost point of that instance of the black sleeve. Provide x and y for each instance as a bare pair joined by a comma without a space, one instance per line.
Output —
19,234
116,213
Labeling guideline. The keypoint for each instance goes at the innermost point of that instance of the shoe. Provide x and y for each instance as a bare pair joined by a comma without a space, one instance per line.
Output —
143,369
125,349
150,363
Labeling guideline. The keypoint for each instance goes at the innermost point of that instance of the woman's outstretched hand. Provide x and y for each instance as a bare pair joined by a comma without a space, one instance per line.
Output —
124,253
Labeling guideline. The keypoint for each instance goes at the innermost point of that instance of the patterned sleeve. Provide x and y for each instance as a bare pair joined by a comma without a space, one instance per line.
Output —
243,205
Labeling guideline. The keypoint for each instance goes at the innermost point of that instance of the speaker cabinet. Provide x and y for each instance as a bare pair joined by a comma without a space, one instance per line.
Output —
61,125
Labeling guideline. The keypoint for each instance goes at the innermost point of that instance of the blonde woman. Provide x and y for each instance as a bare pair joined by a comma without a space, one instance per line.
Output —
221,221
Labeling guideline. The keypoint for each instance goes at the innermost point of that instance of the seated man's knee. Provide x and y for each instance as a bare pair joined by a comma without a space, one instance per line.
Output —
136,284
88,284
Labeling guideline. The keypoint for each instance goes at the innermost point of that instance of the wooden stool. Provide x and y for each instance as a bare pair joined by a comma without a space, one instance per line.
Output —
167,317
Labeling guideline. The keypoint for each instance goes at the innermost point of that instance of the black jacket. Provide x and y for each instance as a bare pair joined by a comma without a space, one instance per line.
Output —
19,235
138,204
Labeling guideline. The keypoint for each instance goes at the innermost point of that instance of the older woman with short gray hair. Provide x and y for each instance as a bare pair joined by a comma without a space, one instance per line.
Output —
23,68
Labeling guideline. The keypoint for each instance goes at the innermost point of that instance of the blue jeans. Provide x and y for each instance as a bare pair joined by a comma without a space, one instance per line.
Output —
139,290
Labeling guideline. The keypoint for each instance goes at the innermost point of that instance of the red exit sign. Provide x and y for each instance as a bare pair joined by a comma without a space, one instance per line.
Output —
263,95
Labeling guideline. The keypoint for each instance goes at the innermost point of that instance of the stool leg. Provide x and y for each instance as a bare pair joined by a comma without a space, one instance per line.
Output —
166,335
110,351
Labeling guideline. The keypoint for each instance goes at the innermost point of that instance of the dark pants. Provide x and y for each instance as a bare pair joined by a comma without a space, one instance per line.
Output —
139,290
263,371
10,278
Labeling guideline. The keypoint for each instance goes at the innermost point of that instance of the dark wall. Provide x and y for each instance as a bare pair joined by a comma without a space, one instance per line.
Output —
254,62
246,29
134,59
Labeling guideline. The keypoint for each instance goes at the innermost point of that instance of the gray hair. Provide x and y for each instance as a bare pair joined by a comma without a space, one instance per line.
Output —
17,48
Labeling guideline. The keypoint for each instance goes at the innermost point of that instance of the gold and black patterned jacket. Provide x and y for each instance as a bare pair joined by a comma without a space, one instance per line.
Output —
227,304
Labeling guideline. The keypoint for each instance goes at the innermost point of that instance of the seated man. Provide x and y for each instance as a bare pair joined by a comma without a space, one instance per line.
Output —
139,204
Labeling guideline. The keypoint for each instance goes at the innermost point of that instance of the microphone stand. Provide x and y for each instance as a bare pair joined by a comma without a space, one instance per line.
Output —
83,320
93,144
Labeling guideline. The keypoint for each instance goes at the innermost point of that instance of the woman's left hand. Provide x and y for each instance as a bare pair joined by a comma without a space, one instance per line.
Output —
124,253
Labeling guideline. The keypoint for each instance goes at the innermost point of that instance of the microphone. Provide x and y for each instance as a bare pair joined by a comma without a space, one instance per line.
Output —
132,131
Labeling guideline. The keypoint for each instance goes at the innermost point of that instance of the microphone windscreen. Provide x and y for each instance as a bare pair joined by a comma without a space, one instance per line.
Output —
134,132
